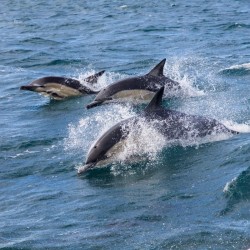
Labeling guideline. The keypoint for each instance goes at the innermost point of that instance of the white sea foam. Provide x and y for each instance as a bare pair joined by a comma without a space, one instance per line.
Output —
239,127
123,6
229,184
245,66
24,153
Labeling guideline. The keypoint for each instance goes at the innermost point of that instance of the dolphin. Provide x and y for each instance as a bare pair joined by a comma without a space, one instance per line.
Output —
136,88
172,125
59,88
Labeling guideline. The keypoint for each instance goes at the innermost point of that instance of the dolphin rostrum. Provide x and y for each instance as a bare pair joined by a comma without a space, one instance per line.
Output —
59,88
136,88
172,125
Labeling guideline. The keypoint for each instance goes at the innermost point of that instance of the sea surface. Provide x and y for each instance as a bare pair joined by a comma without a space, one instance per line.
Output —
182,195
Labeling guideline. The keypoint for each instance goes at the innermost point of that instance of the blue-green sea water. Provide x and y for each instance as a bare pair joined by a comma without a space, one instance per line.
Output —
189,195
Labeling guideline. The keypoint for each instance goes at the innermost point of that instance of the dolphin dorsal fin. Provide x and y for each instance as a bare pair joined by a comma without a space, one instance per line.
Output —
158,69
156,100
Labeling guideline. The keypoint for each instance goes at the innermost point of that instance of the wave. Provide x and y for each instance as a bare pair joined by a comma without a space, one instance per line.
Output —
237,190
236,26
26,145
40,40
5,70
237,70
56,62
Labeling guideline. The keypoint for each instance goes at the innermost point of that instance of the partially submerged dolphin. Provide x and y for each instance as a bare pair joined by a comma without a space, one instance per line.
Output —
59,88
136,88
172,125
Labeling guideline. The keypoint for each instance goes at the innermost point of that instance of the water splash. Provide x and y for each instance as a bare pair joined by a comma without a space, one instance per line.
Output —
195,75
88,129
143,140
106,79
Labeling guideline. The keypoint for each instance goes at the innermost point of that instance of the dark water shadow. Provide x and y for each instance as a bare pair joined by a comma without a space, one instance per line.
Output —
117,174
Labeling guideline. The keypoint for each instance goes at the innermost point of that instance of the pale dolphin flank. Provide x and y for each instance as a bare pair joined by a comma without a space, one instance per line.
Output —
136,88
59,88
172,125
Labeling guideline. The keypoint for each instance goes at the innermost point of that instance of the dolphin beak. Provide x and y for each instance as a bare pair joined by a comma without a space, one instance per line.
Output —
94,104
85,168
28,87
98,102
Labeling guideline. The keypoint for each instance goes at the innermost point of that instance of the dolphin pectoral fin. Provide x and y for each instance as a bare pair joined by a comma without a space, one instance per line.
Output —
94,78
55,95
85,168
158,69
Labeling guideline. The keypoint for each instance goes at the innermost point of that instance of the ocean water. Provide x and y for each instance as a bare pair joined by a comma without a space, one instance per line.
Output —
185,195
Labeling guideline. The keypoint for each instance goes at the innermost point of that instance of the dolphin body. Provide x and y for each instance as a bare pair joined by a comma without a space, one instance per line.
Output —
172,125
59,88
136,88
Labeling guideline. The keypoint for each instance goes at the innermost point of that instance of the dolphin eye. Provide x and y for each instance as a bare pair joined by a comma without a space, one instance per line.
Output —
95,146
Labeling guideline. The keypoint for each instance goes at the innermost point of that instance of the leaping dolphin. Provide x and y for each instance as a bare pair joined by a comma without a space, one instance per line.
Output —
172,125
136,88
59,88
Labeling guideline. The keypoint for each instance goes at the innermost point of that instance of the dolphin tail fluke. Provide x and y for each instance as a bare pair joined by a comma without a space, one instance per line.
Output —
156,100
158,69
94,78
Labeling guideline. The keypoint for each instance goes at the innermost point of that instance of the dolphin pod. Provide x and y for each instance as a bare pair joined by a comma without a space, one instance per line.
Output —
136,88
59,88
172,125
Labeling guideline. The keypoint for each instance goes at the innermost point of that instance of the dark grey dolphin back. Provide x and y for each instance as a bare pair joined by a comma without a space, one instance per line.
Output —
180,125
